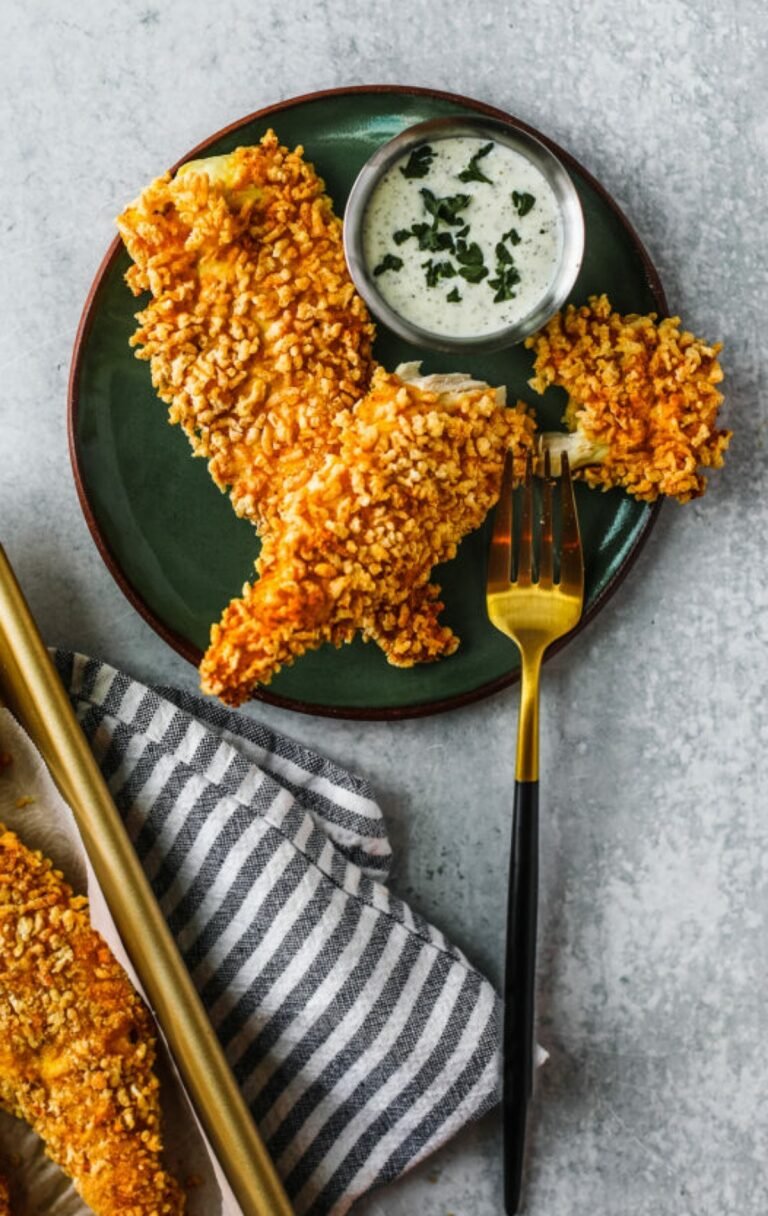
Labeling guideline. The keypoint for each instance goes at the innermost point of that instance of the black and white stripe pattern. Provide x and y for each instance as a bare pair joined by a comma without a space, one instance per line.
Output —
361,1038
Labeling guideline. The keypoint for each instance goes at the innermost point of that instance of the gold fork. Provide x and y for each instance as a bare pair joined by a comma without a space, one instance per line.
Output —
534,614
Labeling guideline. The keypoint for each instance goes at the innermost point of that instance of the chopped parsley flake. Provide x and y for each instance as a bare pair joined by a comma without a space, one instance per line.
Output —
469,255
446,209
436,271
430,239
453,296
388,262
522,202
507,277
473,274
419,162
473,173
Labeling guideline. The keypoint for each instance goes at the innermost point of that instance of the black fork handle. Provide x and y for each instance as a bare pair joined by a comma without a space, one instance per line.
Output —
519,986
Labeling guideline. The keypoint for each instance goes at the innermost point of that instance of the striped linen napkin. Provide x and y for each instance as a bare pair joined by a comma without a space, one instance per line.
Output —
360,1037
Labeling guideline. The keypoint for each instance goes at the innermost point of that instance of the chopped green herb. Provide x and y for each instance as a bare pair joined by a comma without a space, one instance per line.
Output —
453,296
432,273
402,235
430,239
471,259
388,262
446,209
463,231
473,274
503,255
522,202
469,255
513,236
473,173
507,276
436,271
419,162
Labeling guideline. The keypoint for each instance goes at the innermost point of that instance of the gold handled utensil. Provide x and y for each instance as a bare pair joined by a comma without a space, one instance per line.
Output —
528,604
31,688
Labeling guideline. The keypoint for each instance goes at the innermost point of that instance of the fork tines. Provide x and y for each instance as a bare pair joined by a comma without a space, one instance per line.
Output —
500,571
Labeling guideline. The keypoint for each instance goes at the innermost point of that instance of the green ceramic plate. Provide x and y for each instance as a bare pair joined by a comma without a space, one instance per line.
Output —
170,538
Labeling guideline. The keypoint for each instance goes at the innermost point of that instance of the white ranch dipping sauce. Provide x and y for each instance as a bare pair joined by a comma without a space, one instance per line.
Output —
483,253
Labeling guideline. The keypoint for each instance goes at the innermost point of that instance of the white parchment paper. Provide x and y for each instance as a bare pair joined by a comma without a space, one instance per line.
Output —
31,806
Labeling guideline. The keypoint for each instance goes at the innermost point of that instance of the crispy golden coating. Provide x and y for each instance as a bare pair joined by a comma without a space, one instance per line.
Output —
641,398
254,333
261,346
408,471
5,1198
77,1044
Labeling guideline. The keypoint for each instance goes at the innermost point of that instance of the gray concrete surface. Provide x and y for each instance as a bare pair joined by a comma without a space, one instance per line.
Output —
652,979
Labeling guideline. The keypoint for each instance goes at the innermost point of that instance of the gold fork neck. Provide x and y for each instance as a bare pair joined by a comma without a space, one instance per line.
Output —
527,763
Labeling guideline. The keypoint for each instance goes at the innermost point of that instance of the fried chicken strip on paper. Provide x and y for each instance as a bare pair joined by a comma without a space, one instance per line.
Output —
77,1044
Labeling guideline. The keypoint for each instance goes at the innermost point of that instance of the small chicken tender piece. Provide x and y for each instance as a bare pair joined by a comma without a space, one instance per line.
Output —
409,470
254,333
77,1044
642,401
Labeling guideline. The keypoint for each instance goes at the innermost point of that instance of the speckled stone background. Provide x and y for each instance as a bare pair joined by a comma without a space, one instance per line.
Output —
654,901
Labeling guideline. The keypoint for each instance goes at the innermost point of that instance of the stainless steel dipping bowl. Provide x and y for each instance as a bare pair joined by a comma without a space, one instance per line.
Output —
520,141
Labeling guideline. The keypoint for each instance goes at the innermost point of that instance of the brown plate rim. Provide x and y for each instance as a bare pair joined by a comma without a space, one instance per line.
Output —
180,644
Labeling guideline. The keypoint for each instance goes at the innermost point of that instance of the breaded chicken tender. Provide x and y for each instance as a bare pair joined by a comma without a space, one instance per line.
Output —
77,1044
642,400
408,471
262,348
255,335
